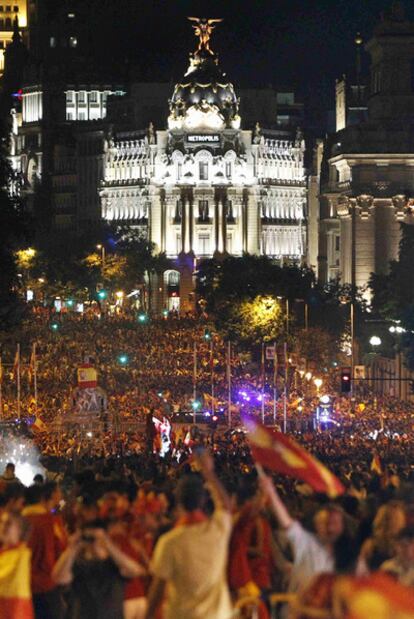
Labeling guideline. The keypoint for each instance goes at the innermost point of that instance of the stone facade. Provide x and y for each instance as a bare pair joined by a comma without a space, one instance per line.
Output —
368,182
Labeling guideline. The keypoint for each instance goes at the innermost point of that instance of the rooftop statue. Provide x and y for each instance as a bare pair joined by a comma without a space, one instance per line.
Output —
203,29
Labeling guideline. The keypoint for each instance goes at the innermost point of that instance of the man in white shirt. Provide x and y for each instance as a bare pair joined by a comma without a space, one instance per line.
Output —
189,562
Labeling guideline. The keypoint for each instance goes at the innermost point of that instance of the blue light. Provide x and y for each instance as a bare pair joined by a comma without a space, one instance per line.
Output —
123,359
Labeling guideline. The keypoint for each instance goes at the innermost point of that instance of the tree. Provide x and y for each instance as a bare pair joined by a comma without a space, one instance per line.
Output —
393,294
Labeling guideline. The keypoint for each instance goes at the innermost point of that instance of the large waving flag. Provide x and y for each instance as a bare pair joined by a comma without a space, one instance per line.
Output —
15,593
378,596
278,452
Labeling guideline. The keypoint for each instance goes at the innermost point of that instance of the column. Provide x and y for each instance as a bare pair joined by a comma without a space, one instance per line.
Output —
216,226
224,223
253,224
155,220
183,221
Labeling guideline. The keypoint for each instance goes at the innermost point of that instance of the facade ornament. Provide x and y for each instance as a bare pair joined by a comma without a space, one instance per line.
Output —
365,203
257,136
343,206
151,133
203,29
401,206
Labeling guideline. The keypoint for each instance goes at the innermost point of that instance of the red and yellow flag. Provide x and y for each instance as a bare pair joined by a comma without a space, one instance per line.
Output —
378,596
376,465
39,425
15,593
278,452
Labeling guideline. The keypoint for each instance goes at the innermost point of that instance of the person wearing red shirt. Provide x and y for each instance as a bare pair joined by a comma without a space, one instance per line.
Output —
47,541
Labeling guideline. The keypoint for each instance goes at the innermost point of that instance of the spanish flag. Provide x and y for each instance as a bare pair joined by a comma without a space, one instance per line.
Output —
39,425
15,594
278,452
378,596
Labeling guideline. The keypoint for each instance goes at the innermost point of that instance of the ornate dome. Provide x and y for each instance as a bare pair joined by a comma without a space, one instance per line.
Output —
204,99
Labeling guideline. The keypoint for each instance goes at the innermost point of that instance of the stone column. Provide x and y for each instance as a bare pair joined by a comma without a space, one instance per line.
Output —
183,221
155,220
224,223
253,224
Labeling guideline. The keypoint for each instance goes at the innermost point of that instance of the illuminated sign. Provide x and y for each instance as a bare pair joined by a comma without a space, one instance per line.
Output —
197,139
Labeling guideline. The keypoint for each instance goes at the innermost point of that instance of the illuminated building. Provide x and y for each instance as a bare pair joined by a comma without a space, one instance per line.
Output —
9,12
367,187
206,186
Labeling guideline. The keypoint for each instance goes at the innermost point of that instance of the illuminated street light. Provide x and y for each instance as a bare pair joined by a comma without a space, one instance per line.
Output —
123,359
196,405
119,294
318,383
102,294
142,318
308,376
375,341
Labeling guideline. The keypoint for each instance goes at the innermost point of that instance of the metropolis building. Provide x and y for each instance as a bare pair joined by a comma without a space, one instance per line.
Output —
205,187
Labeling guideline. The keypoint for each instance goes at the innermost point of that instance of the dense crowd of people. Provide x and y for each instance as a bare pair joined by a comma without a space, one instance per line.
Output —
116,527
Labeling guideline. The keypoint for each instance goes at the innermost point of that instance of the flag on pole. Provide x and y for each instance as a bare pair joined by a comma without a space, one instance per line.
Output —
376,465
278,452
16,364
32,364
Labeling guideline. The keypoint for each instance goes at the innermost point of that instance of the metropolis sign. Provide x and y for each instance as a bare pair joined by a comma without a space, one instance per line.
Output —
197,139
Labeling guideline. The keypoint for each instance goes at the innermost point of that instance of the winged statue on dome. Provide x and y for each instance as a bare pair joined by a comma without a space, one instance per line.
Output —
203,29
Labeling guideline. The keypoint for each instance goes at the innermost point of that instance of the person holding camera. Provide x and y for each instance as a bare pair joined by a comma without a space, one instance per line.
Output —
95,569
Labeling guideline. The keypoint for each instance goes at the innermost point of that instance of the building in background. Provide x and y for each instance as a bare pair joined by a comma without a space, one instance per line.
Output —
367,184
207,186
10,14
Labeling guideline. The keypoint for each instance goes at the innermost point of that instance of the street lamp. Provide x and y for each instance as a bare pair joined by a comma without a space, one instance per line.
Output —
318,384
102,250
375,341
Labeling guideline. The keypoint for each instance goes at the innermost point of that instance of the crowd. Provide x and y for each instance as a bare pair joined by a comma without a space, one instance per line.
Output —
146,538
115,527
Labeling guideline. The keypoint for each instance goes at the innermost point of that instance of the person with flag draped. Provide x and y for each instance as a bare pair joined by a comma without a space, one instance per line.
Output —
15,558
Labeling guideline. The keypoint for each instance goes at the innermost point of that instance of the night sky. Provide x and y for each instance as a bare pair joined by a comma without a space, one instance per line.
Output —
301,44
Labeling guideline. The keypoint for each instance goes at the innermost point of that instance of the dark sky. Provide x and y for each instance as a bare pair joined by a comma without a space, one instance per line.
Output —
304,44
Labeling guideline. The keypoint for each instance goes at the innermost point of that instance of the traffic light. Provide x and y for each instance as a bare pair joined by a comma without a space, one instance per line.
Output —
102,294
142,317
346,377
207,334
123,359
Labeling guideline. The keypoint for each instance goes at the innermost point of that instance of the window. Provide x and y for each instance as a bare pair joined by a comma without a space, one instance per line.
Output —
82,116
1,44
203,170
82,97
228,169
337,243
73,42
69,115
8,23
1,8
94,96
203,210
173,278
204,244
52,42
1,24
179,170
8,8
16,9
70,96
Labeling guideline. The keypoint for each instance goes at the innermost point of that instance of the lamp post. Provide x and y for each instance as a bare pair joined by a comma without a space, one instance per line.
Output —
102,249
